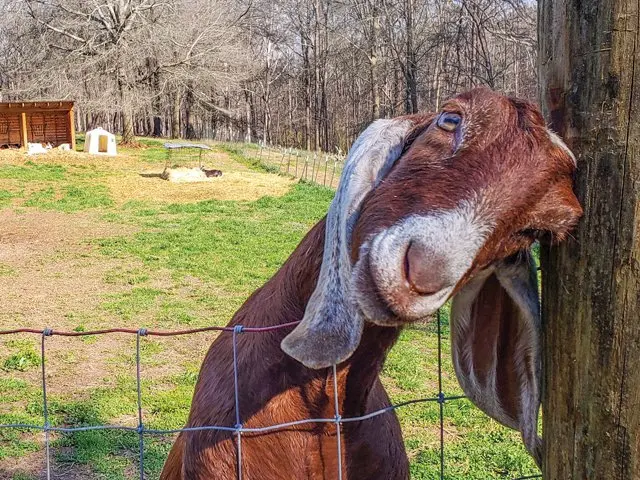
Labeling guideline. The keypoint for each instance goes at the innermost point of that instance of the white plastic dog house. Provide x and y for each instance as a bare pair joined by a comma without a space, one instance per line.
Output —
100,142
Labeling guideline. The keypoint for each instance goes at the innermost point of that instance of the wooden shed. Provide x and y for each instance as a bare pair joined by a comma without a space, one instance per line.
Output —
36,122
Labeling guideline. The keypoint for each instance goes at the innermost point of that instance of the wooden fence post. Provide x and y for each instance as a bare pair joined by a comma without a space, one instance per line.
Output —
326,162
24,137
72,129
333,173
284,152
313,167
589,85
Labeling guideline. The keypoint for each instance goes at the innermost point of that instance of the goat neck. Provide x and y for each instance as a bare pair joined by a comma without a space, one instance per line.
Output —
282,300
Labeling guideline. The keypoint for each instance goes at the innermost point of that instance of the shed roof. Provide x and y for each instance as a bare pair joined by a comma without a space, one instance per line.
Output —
48,105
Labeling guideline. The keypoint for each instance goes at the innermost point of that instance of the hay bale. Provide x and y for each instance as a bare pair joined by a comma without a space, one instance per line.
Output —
181,175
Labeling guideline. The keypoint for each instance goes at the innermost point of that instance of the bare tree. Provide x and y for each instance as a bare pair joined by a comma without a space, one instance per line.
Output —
305,73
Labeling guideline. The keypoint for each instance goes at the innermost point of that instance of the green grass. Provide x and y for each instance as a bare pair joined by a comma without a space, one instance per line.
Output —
72,198
24,356
6,270
193,264
33,172
237,245
5,197
236,151
320,168
127,305
65,188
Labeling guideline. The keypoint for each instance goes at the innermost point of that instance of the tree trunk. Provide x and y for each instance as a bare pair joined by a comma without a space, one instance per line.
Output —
316,76
411,75
175,117
307,96
126,114
154,83
248,100
324,110
436,76
189,131
230,136
266,120
591,301
157,126
373,61
294,138
127,127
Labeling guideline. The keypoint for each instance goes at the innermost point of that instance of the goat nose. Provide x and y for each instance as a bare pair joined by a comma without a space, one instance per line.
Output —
425,270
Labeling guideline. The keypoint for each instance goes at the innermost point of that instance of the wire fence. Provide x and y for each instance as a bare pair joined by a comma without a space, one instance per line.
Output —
238,429
321,168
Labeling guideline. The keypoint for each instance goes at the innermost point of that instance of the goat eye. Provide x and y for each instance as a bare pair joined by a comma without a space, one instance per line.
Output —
449,122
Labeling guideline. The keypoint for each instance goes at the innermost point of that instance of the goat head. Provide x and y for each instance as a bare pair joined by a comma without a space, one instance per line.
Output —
445,206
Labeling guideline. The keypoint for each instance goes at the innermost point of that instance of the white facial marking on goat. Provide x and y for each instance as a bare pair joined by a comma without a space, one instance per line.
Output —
454,235
557,141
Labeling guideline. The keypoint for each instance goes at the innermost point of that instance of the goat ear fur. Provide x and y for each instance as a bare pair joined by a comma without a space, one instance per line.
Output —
495,340
331,327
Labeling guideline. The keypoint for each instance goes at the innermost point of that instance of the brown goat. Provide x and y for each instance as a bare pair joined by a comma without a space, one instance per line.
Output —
429,208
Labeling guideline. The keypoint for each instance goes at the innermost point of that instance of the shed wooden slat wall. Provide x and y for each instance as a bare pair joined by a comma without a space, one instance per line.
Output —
45,122
48,128
10,129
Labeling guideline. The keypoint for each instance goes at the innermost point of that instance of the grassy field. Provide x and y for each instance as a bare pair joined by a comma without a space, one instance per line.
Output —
87,243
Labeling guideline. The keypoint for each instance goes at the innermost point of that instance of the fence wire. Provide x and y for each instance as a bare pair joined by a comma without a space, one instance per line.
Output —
238,429
321,168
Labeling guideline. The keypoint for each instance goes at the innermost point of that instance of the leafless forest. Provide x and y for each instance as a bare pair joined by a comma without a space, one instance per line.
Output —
303,73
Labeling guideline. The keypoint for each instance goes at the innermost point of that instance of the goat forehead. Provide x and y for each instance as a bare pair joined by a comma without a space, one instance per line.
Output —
481,103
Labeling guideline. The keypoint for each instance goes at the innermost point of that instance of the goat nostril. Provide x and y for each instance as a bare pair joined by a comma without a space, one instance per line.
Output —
425,271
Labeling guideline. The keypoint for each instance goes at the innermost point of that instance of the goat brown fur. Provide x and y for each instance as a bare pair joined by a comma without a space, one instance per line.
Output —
505,161
277,389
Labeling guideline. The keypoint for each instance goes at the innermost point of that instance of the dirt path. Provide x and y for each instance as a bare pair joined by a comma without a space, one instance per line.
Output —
50,266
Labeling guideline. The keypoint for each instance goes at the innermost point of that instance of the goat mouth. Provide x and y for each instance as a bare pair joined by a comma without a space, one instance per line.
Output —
367,296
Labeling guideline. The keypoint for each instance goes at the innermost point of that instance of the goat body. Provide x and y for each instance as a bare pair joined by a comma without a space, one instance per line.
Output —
275,389
429,208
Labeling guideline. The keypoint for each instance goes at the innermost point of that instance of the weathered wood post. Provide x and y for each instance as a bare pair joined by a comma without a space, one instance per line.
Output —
590,91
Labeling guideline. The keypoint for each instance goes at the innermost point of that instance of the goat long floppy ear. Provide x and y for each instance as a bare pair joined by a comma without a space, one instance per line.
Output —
331,327
495,340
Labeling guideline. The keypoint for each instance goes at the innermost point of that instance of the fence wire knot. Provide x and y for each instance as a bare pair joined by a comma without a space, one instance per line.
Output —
143,332
238,329
47,332
441,398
